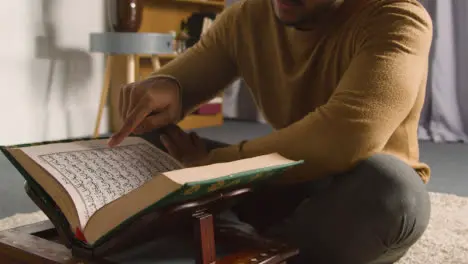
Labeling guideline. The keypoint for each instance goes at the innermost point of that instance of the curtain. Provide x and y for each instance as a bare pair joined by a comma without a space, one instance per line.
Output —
444,117
445,114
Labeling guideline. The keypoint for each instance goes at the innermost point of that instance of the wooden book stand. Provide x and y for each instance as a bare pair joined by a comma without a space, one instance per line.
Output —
47,243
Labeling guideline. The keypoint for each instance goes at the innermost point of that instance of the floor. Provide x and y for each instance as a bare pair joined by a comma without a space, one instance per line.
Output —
448,162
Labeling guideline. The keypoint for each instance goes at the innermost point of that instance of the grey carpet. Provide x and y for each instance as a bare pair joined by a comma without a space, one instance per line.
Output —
448,162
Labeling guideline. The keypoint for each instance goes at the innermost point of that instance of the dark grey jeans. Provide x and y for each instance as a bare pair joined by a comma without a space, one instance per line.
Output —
372,214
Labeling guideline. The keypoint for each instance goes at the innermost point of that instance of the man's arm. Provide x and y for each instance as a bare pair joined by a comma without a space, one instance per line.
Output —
374,96
206,68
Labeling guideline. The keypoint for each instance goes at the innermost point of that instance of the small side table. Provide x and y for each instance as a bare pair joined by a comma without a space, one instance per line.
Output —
130,44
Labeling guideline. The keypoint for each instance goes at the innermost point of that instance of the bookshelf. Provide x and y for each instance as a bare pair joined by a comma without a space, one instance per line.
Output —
161,16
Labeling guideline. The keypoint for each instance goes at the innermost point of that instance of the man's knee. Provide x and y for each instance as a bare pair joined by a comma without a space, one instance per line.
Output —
402,198
389,177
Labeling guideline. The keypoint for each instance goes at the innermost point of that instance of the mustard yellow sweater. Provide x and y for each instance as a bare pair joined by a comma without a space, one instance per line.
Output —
352,87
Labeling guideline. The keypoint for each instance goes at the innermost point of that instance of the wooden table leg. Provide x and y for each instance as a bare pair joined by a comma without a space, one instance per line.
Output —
104,92
131,64
156,62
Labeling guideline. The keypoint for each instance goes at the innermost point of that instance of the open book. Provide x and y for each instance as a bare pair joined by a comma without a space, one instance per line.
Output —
98,188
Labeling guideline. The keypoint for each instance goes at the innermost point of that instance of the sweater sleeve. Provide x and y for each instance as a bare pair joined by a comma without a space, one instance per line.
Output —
207,67
375,94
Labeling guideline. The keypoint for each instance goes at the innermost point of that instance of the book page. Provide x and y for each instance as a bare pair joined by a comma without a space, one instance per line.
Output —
95,175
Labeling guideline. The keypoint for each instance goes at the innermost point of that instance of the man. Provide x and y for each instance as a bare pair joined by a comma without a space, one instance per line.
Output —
343,84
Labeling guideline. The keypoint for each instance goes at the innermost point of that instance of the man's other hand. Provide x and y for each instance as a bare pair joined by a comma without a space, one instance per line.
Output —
147,105
187,148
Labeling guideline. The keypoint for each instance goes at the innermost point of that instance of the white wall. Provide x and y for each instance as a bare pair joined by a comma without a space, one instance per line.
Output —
49,86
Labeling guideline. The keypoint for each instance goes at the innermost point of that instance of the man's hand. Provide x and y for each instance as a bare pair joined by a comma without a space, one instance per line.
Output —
186,148
147,105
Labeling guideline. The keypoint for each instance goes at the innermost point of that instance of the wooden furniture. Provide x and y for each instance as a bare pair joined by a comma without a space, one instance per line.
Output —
160,16
42,243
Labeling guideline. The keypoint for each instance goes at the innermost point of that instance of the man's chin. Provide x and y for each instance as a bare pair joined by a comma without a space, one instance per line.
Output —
285,20
289,22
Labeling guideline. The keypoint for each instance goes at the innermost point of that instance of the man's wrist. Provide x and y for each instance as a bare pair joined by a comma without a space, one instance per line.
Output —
172,79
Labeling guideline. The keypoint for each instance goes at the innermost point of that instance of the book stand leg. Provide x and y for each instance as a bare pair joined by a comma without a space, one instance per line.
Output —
204,238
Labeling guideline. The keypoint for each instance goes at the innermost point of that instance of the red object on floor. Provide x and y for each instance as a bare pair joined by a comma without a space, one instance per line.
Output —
209,109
